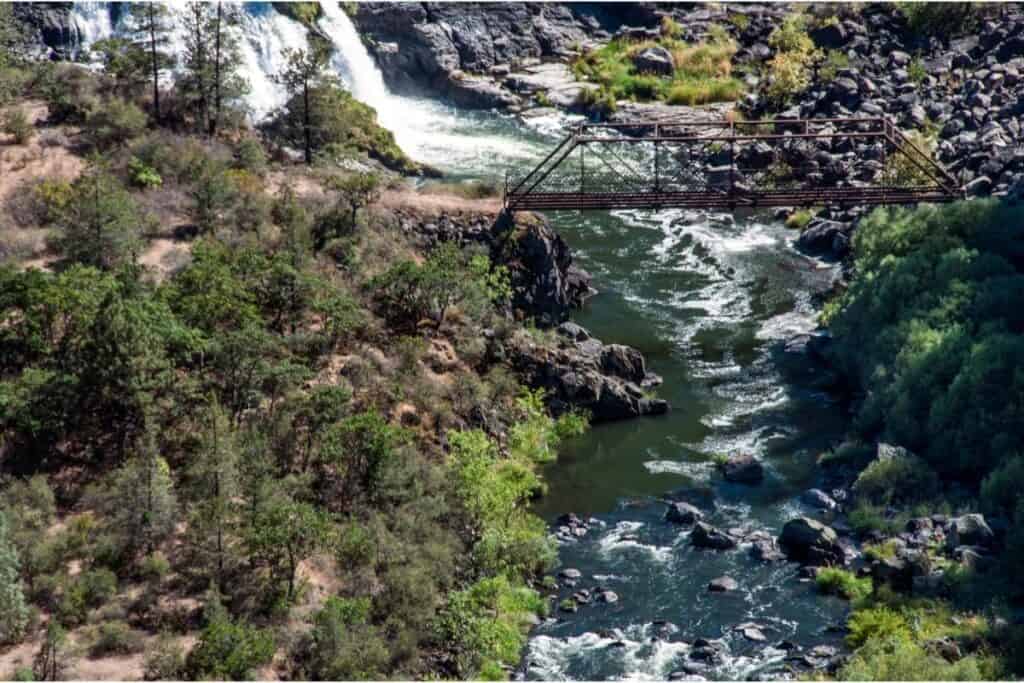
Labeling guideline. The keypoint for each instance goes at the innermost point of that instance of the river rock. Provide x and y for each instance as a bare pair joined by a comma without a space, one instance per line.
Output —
723,584
810,542
707,536
745,469
608,596
818,499
970,530
571,573
683,513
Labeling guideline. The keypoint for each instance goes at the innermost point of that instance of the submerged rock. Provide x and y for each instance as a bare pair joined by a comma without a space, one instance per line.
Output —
723,584
744,469
707,536
683,513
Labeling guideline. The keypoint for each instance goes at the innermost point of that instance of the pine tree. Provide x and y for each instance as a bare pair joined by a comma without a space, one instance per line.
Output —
14,613
49,663
215,486
211,81
305,70
152,32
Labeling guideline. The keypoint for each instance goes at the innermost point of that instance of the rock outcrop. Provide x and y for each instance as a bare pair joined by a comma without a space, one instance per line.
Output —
812,543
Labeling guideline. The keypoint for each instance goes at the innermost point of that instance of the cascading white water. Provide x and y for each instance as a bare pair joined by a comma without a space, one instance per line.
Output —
92,23
426,130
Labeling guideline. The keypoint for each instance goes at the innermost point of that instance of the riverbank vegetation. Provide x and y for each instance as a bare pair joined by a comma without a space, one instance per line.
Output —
250,425
666,69
930,331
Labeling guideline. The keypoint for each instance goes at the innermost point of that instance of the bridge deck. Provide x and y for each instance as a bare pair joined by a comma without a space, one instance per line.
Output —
727,164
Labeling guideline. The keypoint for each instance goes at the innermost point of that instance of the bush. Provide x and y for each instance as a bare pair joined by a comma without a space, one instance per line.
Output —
116,638
930,330
835,60
901,479
142,175
113,123
876,623
342,645
798,220
229,650
165,661
250,156
99,225
899,660
789,69
16,124
834,581
940,19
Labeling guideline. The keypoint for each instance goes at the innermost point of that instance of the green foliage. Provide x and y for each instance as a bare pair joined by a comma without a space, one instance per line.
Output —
1000,492
834,61
487,623
229,650
251,156
114,122
409,292
99,225
143,176
115,638
876,623
903,479
899,660
14,611
87,591
213,195
865,518
941,20
343,645
50,662
798,220
702,71
916,71
929,329
165,661
789,70
15,123
835,581
211,85
284,533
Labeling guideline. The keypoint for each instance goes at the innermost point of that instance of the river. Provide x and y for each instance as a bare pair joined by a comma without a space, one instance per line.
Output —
709,299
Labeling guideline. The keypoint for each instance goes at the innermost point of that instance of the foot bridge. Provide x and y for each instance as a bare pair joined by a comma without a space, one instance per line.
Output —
732,164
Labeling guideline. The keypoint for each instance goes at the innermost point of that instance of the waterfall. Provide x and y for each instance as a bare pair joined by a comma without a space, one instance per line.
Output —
358,70
92,22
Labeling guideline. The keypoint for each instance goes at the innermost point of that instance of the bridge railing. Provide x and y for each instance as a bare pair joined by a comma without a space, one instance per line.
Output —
732,163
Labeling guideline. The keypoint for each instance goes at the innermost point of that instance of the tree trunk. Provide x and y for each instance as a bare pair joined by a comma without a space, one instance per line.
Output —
306,125
215,119
153,57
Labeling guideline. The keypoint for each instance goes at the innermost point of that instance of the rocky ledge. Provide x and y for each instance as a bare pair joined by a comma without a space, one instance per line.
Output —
610,381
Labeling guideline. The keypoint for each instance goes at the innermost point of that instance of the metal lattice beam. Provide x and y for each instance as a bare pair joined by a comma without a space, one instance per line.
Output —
724,165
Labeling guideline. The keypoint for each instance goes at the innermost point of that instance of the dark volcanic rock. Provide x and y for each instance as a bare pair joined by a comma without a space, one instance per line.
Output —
707,536
745,469
811,542
683,513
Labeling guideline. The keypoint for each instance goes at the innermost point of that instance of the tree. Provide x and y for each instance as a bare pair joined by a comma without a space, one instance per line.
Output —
138,501
14,614
214,487
342,645
355,191
213,195
100,224
287,532
211,81
152,32
49,663
124,61
305,70
229,650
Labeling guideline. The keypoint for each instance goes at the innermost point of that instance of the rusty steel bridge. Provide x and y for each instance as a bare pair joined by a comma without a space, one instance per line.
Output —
731,164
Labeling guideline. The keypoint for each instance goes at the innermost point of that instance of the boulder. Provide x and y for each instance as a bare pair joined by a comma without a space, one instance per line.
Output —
623,361
970,530
683,513
810,542
818,499
655,60
723,584
744,469
707,536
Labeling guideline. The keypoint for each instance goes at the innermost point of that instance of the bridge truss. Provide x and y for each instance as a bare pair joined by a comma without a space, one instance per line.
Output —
730,164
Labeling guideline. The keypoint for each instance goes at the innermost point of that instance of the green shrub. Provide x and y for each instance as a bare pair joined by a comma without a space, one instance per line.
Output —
142,175
866,518
342,645
798,220
154,566
916,71
1001,489
834,61
876,623
16,124
900,660
940,19
789,70
251,156
854,453
229,650
834,581
165,661
116,638
486,625
928,328
904,479
114,122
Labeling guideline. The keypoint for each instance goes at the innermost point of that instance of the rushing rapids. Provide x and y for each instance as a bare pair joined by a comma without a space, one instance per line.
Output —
709,299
